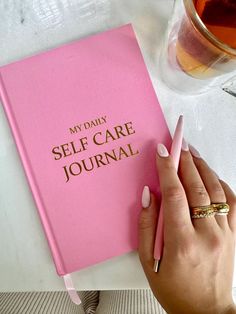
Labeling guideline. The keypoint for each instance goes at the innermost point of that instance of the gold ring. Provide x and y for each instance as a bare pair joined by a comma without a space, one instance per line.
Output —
202,211
221,209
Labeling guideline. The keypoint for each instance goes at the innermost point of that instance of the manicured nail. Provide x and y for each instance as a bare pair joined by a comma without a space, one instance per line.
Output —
146,197
185,146
194,152
162,150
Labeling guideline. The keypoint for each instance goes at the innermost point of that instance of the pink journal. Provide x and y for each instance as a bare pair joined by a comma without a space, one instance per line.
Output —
86,121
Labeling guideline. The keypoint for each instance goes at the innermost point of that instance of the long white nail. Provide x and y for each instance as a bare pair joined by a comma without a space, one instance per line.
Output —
194,152
162,150
146,197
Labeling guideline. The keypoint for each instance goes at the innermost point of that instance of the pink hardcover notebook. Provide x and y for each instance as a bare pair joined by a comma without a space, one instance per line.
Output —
86,121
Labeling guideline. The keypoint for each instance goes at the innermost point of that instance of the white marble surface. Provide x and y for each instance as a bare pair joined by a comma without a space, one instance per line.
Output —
27,27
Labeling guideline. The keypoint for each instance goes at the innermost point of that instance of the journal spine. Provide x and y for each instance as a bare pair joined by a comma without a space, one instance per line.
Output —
31,178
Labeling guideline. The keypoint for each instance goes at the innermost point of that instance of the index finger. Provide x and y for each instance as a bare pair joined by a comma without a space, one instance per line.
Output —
175,205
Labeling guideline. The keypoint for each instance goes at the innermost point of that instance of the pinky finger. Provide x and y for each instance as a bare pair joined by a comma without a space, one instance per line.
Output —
231,200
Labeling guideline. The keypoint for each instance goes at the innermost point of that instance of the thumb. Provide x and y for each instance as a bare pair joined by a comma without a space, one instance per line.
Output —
147,228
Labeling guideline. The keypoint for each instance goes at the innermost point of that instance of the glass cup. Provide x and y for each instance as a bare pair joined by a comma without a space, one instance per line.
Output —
199,50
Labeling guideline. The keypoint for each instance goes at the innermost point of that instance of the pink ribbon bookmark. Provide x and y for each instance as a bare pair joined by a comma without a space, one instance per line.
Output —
71,289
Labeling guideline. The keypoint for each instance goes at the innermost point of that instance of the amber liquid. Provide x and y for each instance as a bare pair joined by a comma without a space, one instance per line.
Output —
196,55
219,16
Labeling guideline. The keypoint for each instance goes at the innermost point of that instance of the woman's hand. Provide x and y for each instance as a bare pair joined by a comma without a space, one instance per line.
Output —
196,270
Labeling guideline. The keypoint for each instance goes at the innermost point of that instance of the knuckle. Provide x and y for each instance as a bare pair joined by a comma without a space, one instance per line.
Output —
144,222
185,158
218,191
199,190
173,193
216,243
169,164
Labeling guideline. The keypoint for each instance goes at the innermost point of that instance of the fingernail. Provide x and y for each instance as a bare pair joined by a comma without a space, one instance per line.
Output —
185,145
194,152
162,150
146,197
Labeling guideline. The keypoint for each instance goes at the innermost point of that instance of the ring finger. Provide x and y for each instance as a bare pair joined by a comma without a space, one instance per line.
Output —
212,184
195,189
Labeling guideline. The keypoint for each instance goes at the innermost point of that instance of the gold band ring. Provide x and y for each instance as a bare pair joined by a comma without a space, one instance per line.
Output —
221,209
202,211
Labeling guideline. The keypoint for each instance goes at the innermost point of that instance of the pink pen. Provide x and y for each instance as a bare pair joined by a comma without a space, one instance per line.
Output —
175,153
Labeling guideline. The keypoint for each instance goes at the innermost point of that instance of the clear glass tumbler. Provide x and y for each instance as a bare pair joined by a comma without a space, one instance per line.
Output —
199,50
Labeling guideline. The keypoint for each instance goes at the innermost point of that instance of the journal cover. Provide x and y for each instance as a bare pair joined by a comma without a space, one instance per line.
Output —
86,121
